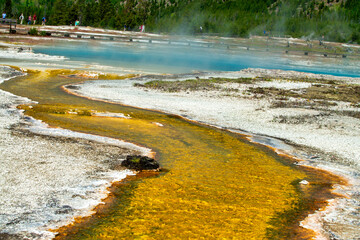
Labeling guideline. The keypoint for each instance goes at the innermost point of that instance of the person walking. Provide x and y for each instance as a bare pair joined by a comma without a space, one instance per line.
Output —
34,19
21,18
29,20
3,15
142,28
43,21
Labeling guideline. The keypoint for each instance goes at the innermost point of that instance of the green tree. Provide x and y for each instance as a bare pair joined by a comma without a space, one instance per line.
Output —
73,14
89,16
336,21
129,13
8,8
60,13
105,13
353,8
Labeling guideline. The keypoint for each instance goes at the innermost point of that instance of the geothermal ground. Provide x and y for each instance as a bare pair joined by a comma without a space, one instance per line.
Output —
318,115
48,176
312,117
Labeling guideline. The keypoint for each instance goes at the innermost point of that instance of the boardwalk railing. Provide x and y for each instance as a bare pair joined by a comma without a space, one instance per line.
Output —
11,23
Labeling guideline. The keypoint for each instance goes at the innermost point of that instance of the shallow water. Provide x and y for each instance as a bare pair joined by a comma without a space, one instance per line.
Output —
216,185
179,59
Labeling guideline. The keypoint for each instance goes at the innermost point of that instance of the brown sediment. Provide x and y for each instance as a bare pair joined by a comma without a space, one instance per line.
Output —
316,194
249,195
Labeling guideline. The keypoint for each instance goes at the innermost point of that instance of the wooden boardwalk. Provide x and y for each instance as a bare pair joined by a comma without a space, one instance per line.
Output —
130,38
9,24
24,30
200,41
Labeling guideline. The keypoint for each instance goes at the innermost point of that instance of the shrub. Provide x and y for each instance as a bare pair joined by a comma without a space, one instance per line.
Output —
33,32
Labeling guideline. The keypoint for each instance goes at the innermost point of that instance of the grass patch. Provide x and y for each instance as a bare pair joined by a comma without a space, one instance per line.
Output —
354,114
303,104
324,92
193,84
274,92
178,86
346,93
300,119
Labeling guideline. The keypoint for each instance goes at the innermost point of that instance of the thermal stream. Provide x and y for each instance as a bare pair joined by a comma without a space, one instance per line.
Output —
215,184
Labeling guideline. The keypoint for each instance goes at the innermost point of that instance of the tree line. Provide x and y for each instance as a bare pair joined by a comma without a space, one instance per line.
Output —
335,20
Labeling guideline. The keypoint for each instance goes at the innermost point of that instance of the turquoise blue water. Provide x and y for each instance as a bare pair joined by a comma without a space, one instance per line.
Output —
179,59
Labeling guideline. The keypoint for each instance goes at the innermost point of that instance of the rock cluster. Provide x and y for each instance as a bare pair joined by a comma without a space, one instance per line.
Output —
140,163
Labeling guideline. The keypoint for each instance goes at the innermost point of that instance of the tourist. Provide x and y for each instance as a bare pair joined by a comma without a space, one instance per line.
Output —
34,19
29,20
43,21
3,15
21,18
142,28
77,22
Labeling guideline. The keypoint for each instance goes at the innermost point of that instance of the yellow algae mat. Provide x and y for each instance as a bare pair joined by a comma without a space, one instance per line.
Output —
216,185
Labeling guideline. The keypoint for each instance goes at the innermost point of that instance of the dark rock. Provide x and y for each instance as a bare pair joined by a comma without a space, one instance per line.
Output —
73,87
139,163
64,210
